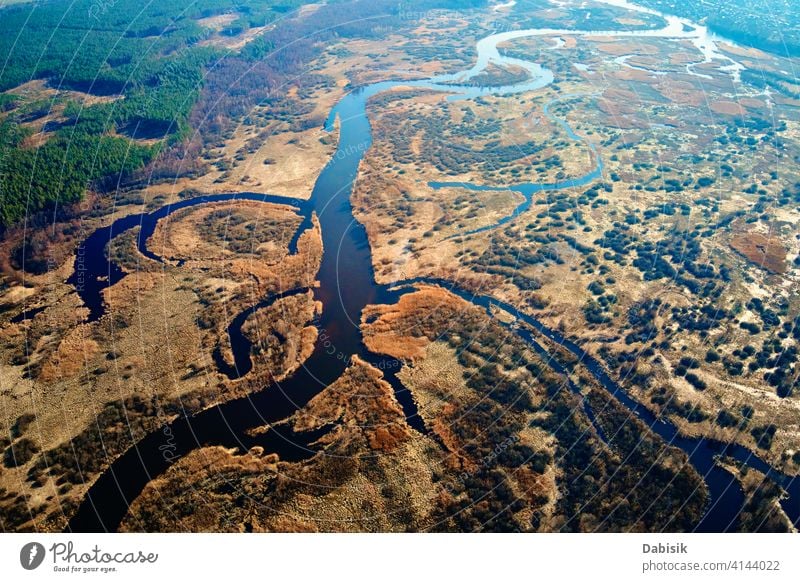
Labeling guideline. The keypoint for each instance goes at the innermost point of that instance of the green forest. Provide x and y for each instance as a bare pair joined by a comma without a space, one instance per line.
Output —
770,25
147,53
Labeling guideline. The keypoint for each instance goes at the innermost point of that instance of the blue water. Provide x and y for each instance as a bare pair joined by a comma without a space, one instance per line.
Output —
528,189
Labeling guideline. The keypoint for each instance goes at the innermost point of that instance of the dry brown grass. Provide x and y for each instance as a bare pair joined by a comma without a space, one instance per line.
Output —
728,108
182,235
763,251
359,402
622,107
386,334
65,371
281,337
616,48
43,126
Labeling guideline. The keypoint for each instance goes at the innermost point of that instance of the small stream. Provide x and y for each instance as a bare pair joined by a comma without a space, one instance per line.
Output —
726,498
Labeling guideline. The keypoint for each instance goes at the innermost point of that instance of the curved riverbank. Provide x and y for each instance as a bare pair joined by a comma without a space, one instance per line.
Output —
93,271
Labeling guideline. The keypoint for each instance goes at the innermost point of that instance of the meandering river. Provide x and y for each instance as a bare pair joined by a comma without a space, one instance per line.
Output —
347,285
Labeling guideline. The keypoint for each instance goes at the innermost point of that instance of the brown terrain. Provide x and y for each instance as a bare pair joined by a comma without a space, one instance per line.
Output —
677,269
83,384
766,252
374,473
